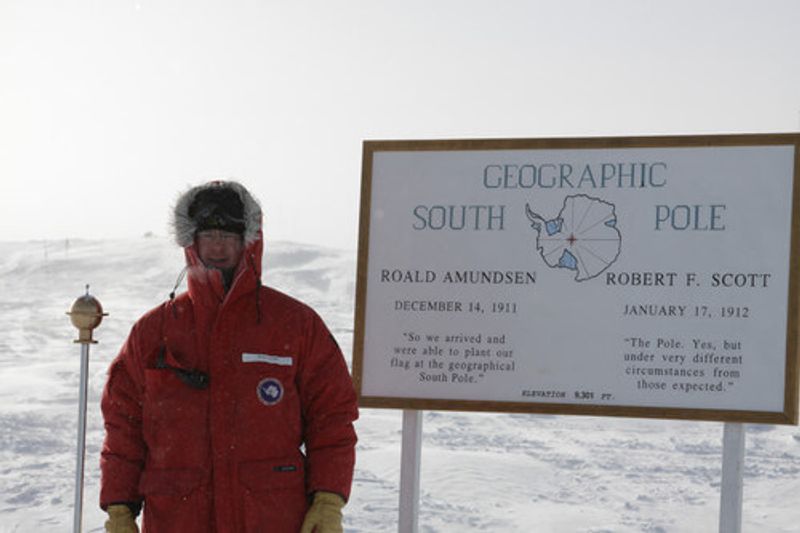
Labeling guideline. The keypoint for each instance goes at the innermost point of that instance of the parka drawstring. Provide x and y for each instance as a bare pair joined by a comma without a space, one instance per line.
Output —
252,261
258,302
175,288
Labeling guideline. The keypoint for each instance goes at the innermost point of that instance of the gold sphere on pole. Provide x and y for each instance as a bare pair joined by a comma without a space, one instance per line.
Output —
86,314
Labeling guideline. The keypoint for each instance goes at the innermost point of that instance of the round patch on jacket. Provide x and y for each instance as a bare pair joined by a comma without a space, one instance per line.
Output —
270,391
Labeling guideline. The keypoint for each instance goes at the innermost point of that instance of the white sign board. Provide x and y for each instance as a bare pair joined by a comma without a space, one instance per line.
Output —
618,276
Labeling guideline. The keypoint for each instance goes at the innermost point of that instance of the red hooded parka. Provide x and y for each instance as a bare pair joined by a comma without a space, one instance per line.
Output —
227,457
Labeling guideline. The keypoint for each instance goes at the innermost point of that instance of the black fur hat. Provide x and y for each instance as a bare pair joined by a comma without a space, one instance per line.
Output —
218,207
218,204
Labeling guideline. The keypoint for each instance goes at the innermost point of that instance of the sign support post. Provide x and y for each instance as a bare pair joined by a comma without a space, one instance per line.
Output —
410,460
730,509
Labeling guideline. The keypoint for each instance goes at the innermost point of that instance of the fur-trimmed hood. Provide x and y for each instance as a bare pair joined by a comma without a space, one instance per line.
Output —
184,227
205,285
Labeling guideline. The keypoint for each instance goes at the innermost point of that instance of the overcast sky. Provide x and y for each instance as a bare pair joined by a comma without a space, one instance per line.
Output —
109,108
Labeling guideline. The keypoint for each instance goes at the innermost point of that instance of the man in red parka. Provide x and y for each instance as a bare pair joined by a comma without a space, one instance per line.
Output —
230,407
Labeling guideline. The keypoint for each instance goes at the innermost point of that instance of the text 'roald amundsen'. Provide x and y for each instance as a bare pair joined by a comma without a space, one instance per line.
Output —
471,277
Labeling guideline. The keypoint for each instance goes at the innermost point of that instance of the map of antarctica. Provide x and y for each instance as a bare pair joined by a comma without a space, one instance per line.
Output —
583,236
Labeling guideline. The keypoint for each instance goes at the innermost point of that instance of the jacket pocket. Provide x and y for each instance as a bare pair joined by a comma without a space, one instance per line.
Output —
174,420
274,495
175,500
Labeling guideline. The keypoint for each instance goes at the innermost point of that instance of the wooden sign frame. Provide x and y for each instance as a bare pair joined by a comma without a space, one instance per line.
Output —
787,414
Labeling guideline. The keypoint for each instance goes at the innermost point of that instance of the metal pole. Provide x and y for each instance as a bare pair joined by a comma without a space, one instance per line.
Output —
730,509
82,401
86,314
410,460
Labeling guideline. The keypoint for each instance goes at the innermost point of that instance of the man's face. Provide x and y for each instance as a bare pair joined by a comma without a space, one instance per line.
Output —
219,249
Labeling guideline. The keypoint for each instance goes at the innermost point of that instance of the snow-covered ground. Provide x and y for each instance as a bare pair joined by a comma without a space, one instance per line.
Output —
480,472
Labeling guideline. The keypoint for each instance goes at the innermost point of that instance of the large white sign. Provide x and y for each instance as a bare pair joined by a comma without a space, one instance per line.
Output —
643,277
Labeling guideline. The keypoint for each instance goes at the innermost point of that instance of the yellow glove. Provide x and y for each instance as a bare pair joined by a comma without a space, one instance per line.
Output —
324,515
120,520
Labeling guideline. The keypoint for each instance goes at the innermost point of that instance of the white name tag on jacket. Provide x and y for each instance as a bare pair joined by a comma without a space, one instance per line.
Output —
280,360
